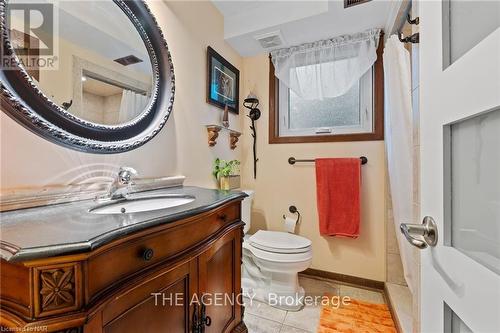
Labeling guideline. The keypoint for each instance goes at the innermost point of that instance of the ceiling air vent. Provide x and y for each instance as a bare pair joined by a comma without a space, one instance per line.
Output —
270,40
351,3
128,60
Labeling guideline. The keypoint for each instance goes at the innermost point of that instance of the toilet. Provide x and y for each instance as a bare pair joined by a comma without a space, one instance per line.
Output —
271,263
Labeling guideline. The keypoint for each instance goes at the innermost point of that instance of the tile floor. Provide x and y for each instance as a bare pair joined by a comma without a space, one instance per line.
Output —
401,300
262,318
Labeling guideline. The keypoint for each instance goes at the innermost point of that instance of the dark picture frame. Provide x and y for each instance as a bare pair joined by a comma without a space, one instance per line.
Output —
223,82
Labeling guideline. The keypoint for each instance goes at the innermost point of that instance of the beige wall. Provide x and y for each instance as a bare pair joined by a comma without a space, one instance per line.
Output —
181,147
279,185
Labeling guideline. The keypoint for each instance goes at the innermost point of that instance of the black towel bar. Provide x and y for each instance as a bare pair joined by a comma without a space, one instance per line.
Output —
293,160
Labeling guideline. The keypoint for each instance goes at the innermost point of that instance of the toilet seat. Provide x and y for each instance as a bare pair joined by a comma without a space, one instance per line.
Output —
279,246
280,257
279,242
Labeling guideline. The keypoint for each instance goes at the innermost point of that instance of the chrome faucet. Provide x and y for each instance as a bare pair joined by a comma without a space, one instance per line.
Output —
120,186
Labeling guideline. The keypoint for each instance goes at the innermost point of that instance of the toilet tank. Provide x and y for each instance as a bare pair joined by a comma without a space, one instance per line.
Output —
246,210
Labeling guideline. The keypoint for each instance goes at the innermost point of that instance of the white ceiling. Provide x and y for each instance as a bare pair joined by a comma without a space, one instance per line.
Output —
298,21
102,27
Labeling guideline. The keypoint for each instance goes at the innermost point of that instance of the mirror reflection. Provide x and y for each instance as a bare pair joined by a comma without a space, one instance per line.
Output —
101,70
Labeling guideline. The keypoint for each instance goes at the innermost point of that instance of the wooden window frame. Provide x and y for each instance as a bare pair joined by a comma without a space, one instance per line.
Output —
378,110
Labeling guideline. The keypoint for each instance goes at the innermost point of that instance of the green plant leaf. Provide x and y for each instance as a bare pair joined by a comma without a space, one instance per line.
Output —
223,168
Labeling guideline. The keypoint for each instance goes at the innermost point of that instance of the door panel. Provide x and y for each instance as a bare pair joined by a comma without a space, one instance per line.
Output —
148,317
465,24
219,278
454,287
471,220
138,310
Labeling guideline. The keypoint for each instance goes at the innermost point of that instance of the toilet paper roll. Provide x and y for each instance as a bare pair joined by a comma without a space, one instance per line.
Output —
290,224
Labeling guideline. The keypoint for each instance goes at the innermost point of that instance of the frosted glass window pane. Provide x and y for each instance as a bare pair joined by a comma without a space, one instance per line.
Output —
466,24
475,188
329,112
453,323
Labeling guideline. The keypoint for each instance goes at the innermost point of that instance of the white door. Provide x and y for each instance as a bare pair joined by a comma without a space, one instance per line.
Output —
460,164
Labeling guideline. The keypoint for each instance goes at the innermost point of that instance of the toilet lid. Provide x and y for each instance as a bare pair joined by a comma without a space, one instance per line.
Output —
280,242
281,258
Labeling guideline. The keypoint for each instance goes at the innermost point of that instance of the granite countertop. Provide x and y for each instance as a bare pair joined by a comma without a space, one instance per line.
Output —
69,228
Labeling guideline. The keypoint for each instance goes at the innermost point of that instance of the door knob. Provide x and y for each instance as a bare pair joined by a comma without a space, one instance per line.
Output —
421,235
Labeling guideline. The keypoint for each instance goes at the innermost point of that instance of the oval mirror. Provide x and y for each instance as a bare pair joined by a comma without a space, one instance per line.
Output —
95,76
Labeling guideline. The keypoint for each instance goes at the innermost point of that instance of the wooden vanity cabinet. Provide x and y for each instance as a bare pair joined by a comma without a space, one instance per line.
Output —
183,276
221,283
142,308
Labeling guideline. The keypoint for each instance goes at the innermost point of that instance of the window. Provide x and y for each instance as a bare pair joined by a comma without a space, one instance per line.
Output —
354,116
346,114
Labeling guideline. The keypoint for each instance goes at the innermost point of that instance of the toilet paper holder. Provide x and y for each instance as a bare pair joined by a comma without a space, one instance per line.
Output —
292,209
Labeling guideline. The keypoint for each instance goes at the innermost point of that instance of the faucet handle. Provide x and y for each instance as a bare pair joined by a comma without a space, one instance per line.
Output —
126,173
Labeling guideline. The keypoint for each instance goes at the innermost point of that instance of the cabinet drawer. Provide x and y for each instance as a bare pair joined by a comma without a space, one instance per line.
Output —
118,262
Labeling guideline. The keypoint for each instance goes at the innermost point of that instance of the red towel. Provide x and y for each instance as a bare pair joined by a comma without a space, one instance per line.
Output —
338,184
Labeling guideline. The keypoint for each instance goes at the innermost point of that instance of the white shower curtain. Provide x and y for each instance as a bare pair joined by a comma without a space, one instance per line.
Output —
131,106
399,145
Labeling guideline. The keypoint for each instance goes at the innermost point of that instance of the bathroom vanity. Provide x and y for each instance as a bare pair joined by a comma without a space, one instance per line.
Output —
166,262
65,269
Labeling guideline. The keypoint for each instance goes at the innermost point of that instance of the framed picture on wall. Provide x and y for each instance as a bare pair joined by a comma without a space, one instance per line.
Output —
223,82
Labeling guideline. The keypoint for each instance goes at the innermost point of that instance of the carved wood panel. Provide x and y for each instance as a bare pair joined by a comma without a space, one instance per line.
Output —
219,271
57,289
162,303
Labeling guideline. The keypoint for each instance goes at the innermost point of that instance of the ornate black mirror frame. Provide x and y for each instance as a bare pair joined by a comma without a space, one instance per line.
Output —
24,102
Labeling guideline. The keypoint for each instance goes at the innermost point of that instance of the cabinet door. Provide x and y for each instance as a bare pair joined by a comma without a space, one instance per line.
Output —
220,282
160,303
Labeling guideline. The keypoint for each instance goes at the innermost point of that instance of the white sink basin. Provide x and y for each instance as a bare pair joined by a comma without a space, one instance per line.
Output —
142,204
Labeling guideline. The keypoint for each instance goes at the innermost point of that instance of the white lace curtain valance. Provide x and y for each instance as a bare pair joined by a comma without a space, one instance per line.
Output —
326,68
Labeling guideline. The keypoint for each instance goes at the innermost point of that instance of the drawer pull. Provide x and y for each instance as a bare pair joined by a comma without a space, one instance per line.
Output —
147,254
222,217
205,320
199,323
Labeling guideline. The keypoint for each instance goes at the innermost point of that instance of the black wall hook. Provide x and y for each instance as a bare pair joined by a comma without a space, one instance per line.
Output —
414,39
415,21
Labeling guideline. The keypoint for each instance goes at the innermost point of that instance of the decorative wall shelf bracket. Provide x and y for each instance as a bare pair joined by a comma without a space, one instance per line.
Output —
234,137
213,134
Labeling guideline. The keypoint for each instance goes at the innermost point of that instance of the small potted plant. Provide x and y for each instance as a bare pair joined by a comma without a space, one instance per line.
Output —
227,173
